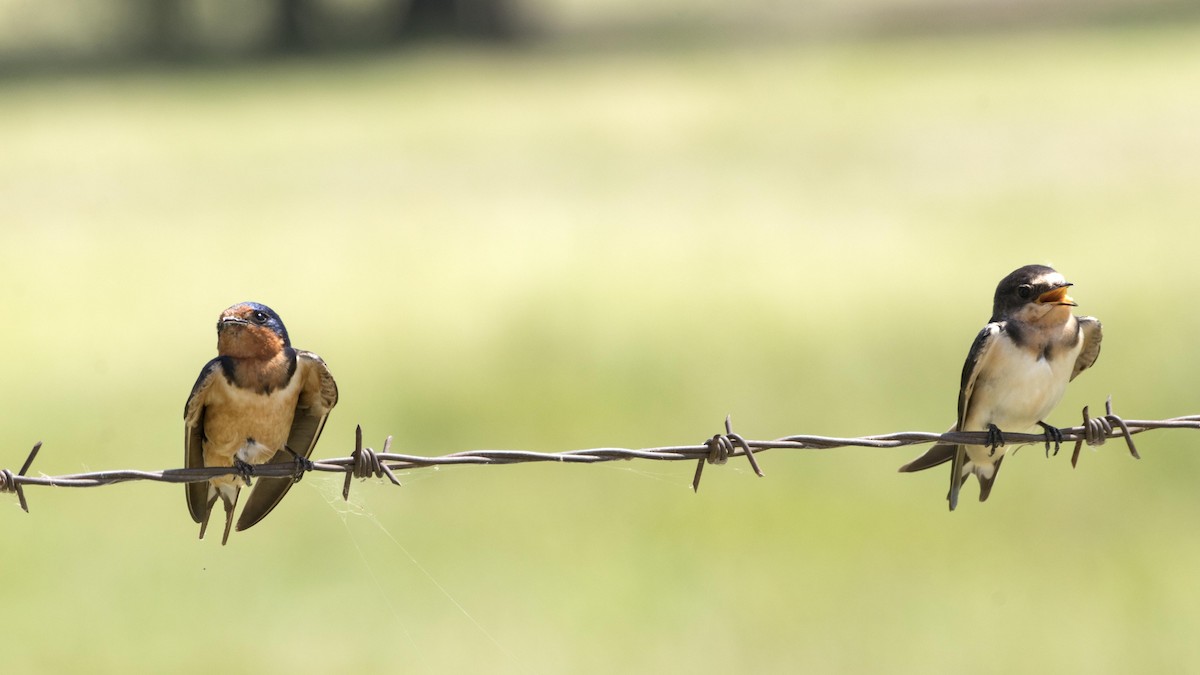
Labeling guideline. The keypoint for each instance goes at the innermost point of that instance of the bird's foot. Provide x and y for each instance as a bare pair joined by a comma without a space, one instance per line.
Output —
303,464
995,439
1053,434
243,469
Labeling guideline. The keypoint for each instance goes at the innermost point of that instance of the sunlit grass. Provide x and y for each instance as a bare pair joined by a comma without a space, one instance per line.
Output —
547,250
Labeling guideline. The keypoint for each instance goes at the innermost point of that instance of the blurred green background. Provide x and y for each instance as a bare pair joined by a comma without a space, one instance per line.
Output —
551,245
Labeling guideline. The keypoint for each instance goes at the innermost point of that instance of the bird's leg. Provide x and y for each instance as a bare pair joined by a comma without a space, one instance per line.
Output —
243,469
1052,434
303,464
995,439
207,512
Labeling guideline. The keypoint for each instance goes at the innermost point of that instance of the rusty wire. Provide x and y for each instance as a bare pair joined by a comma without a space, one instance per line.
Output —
365,462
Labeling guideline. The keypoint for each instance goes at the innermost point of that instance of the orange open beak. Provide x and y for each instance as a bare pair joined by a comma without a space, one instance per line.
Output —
1056,296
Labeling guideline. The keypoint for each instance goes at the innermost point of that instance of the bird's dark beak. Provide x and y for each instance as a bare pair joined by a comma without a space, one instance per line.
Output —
227,321
1056,296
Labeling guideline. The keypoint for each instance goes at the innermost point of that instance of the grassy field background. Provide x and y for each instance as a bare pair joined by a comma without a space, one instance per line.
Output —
550,249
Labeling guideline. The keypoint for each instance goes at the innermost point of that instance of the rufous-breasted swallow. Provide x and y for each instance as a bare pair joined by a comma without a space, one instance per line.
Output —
258,401
1016,373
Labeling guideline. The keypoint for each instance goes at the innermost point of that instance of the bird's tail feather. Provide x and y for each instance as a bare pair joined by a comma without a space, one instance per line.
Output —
961,467
938,454
229,498
959,470
985,483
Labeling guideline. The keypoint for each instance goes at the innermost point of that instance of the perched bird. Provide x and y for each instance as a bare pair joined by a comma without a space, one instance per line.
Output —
258,401
1016,373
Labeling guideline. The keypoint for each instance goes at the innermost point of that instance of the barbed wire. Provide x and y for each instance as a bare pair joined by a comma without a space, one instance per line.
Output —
365,462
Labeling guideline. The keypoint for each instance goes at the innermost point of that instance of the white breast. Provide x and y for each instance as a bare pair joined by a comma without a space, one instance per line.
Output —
1018,388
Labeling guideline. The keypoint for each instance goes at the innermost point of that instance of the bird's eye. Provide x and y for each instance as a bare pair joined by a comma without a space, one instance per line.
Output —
1024,290
259,317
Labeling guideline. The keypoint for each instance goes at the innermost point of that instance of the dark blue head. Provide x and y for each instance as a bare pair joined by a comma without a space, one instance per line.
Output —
1030,292
251,330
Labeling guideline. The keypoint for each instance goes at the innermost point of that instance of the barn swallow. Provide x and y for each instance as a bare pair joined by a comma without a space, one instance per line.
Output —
258,401
1016,373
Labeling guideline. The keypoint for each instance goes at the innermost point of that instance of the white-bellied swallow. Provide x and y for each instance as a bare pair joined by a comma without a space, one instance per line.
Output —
1016,373
258,401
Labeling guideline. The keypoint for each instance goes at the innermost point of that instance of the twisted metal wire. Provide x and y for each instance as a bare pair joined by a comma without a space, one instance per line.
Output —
365,462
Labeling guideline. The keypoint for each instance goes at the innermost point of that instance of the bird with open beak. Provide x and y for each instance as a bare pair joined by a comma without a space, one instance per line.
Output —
1016,373
258,401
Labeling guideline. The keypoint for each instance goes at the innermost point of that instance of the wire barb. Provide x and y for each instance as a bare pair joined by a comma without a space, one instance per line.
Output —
366,463
10,483
720,447
1100,429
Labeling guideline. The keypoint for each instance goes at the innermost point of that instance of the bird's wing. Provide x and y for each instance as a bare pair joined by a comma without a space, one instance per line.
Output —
318,395
944,452
193,441
1089,326
976,361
